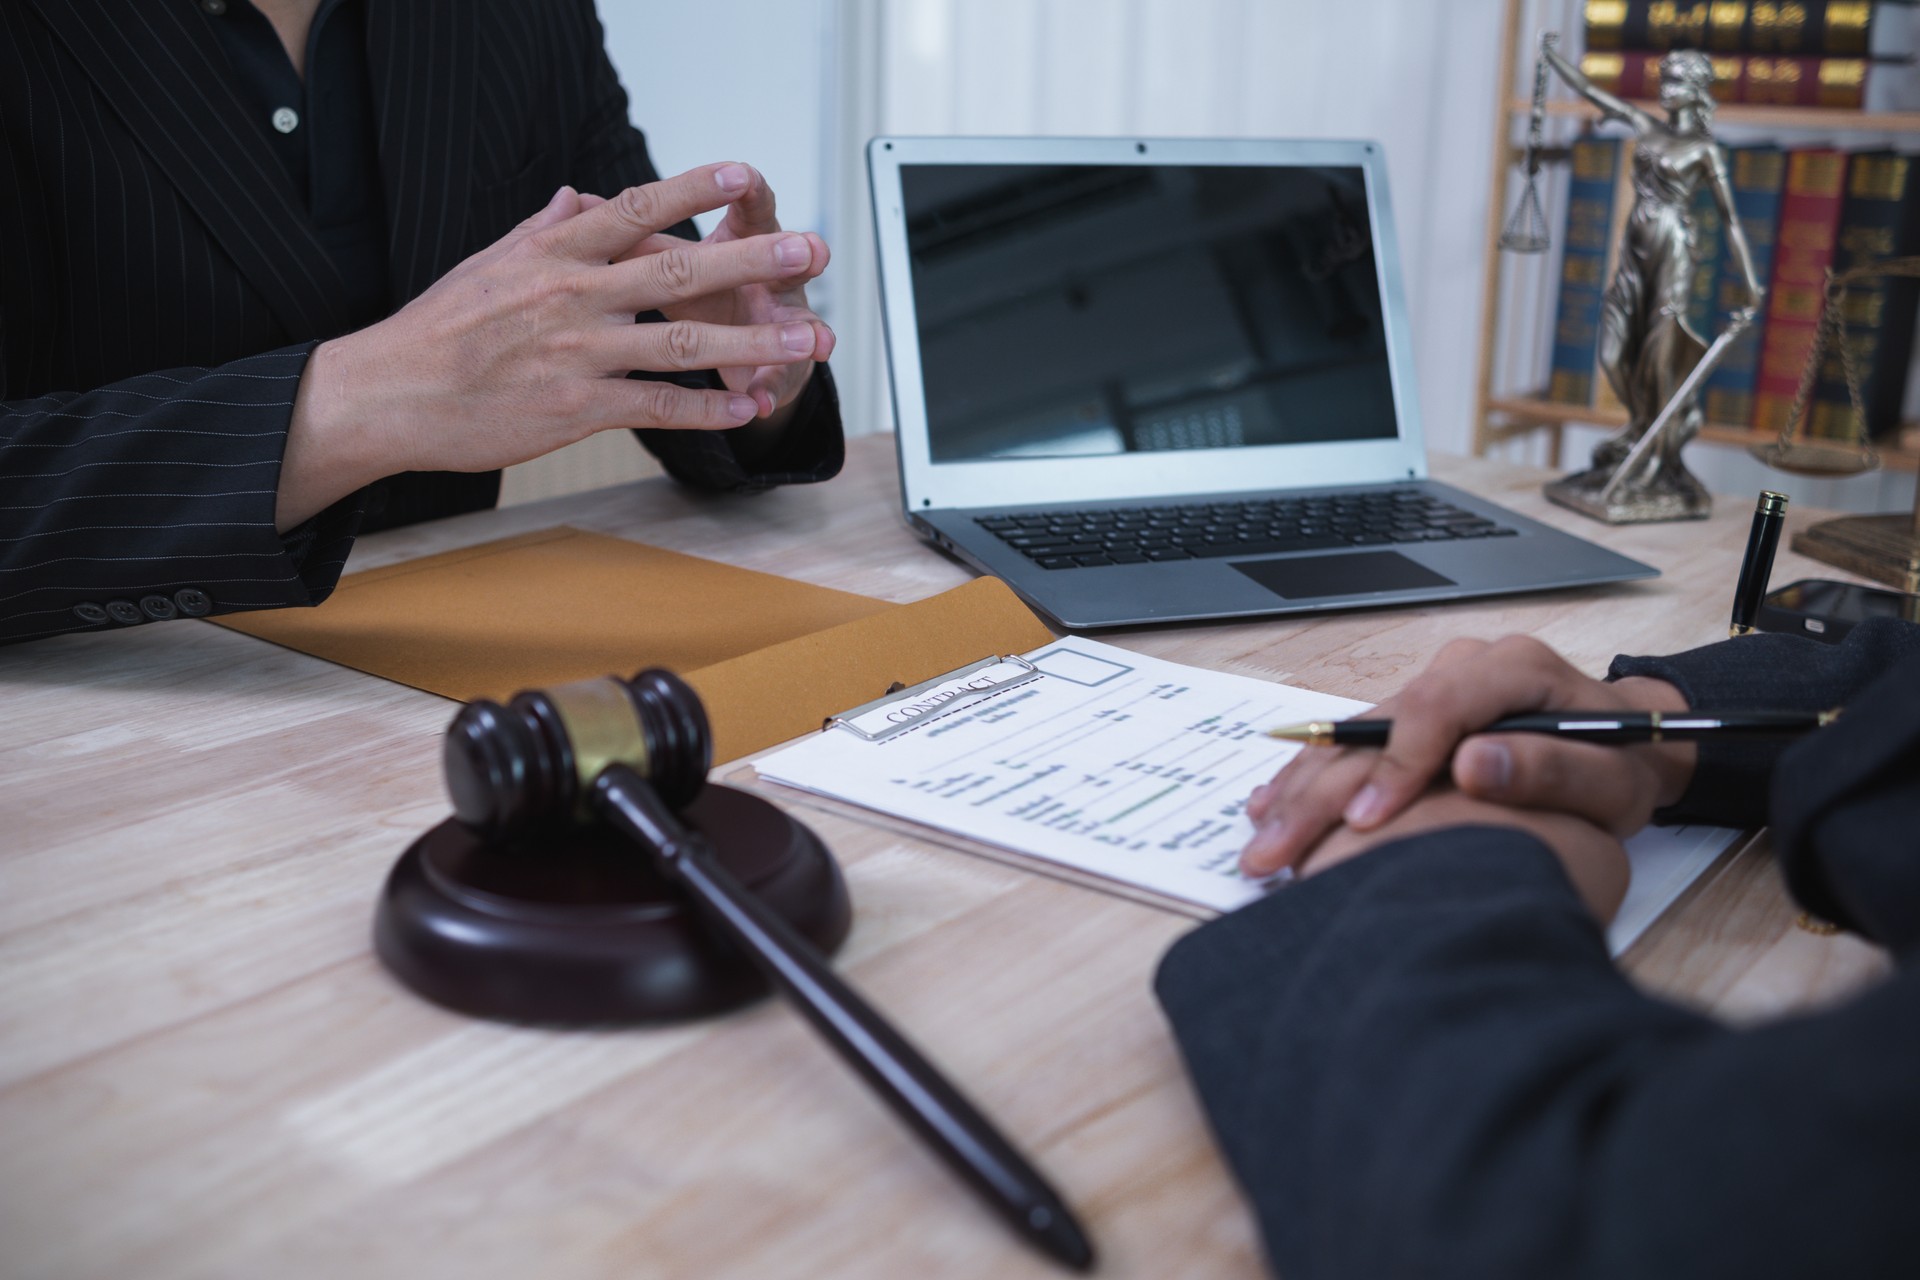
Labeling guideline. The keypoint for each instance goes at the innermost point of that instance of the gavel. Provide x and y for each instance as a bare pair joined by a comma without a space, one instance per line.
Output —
629,753
533,762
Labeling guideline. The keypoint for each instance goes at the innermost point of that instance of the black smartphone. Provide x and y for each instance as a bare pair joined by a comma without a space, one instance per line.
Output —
1827,610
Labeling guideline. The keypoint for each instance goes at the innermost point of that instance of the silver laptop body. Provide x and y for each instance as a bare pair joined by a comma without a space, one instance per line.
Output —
1164,380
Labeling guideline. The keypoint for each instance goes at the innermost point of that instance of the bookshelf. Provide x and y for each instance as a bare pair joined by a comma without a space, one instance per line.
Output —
1519,295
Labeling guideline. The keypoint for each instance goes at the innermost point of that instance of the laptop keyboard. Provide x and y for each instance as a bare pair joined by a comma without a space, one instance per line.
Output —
1200,530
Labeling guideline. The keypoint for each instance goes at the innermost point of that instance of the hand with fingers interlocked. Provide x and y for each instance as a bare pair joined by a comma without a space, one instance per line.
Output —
525,346
1332,803
773,387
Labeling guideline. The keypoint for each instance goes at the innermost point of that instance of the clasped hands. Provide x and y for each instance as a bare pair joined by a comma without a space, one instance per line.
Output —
525,346
1330,804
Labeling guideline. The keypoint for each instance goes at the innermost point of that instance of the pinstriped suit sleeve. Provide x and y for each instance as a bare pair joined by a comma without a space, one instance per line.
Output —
610,156
152,486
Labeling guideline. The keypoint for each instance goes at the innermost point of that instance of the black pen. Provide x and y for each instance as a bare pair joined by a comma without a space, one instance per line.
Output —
1757,566
1617,727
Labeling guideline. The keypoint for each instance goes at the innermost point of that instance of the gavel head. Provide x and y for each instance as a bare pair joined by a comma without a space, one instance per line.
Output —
532,762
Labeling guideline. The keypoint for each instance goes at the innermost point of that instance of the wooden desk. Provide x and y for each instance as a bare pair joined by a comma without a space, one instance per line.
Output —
204,1071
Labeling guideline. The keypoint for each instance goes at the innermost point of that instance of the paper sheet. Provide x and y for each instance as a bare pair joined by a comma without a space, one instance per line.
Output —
1126,767
1665,861
1111,762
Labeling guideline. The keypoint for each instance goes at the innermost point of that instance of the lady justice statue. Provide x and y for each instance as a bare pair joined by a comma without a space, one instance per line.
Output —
1650,355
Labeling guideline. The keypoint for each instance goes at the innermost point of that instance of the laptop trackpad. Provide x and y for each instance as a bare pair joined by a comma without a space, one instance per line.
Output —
1304,577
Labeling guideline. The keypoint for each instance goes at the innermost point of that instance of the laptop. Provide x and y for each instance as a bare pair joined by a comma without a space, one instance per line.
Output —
1168,380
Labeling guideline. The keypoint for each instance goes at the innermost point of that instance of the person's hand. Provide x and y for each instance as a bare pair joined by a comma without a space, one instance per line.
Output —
1593,858
525,346
1470,685
773,387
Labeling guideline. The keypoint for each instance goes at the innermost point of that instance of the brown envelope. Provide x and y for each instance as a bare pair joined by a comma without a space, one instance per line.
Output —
770,656
785,690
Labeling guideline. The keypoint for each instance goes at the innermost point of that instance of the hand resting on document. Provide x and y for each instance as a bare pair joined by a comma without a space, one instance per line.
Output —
1330,803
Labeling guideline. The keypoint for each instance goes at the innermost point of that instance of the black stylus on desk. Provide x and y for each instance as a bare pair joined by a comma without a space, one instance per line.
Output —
1618,727
1757,565
905,1080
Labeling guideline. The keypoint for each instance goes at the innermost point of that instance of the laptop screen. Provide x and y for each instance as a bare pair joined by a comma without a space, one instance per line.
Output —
1084,310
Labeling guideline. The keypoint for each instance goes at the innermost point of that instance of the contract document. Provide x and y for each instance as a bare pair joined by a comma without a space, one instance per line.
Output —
1123,766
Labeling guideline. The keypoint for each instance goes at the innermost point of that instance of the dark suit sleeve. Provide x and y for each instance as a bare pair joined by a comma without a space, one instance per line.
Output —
1423,1063
157,489
1759,672
611,155
1846,813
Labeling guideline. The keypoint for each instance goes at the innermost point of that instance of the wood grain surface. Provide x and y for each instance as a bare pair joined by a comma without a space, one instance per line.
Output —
205,1072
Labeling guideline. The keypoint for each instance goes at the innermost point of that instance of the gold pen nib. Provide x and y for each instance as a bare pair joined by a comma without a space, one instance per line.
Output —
1315,733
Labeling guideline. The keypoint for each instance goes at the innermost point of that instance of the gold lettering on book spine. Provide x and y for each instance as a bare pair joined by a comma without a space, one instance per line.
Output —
1727,25
1773,80
1842,82
1592,162
1605,19
1779,28
1816,173
1604,70
1878,178
1759,169
1797,302
1726,78
1847,26
1671,24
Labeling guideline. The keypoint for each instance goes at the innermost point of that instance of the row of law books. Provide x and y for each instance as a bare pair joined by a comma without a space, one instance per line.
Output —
1810,53
1802,212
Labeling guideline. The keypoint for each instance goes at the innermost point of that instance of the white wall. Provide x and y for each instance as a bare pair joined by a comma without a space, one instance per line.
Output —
745,81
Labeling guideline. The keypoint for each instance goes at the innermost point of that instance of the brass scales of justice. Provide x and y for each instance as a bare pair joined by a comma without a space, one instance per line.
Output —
1636,475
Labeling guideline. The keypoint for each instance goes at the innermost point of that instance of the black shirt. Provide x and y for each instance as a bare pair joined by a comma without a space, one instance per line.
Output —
322,131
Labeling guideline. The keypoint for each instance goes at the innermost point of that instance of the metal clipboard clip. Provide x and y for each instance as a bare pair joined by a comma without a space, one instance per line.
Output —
930,699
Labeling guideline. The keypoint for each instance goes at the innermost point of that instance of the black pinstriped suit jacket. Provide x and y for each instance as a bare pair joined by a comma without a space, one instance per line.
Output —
161,286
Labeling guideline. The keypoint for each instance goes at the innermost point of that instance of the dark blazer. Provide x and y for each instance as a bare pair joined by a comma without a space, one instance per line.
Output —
1423,1063
161,287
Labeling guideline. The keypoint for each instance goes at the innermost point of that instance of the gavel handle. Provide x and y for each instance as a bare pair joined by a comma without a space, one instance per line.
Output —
910,1084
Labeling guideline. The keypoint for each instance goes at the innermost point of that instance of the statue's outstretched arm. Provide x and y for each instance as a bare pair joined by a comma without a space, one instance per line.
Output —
1730,219
1611,108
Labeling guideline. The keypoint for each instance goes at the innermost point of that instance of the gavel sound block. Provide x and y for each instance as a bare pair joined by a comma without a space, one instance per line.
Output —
527,911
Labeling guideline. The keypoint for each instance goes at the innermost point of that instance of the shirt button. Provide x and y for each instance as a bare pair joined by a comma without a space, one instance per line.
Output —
214,7
286,120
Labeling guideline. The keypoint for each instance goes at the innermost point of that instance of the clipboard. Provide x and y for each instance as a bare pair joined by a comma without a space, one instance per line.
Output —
1089,762
1025,770
900,710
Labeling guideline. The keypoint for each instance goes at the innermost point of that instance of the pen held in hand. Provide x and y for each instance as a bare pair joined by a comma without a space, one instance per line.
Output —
1620,728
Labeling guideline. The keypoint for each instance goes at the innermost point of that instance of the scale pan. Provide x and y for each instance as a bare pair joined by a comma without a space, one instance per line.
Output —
1816,459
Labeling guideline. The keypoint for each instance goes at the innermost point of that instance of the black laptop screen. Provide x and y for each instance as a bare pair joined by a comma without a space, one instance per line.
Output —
1078,310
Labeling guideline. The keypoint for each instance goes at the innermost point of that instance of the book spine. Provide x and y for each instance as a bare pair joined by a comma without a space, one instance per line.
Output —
1583,265
1792,28
1809,224
1757,175
1876,223
1804,82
